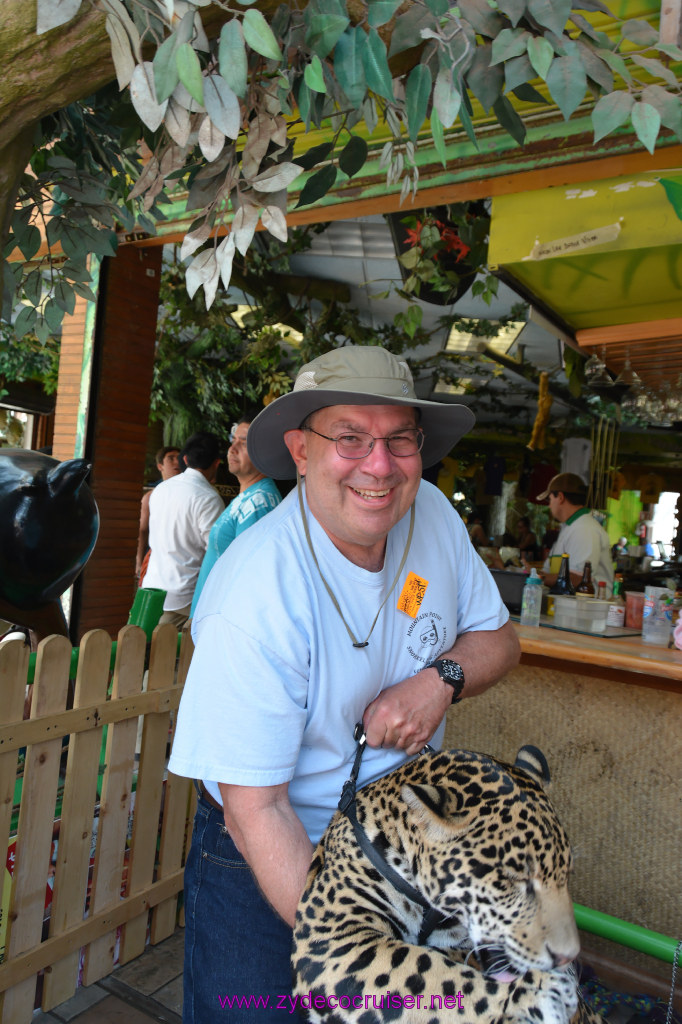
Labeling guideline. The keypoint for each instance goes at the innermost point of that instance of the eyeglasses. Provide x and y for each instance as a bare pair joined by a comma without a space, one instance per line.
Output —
358,444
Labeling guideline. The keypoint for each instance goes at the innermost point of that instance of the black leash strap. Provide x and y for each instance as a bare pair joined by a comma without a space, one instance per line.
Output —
432,918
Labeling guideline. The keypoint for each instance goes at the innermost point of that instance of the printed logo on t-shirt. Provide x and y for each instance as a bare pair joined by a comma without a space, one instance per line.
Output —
426,633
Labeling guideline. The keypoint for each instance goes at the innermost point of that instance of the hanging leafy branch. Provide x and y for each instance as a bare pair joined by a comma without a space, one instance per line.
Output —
217,87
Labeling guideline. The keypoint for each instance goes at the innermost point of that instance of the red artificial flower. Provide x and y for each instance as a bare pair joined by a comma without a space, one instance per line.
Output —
453,243
413,235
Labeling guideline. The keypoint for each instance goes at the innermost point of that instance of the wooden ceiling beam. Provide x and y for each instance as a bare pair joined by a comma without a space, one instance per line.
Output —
653,331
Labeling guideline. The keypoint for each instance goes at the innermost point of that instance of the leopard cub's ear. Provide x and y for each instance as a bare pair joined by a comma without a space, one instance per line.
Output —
533,762
438,810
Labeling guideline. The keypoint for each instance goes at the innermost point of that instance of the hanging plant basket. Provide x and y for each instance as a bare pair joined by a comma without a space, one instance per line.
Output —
436,264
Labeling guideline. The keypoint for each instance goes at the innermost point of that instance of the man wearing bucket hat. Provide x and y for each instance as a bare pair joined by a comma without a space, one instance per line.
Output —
359,598
581,537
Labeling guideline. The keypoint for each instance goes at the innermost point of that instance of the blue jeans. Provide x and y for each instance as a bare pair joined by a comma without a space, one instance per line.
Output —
237,950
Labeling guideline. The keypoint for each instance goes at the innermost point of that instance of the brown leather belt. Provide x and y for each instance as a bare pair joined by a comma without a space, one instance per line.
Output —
203,792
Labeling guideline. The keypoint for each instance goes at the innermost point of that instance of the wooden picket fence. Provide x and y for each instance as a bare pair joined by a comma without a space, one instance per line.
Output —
133,885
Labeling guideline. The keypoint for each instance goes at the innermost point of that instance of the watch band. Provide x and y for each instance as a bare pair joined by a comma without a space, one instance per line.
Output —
451,673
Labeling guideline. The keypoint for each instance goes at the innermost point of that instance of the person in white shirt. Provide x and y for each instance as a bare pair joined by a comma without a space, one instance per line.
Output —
182,511
359,598
581,537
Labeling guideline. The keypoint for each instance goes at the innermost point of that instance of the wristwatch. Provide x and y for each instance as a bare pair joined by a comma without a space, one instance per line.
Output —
452,674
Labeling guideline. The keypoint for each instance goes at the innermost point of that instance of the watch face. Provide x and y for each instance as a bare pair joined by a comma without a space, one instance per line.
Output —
450,671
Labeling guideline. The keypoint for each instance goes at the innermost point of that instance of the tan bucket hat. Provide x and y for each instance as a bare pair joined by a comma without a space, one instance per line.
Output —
352,375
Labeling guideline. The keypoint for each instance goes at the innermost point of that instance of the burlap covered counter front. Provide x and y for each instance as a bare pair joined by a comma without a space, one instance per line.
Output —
615,753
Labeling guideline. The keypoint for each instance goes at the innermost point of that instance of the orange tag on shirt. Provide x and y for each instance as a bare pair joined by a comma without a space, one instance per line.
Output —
412,595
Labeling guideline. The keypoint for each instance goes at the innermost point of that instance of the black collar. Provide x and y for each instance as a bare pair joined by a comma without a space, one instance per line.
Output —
432,919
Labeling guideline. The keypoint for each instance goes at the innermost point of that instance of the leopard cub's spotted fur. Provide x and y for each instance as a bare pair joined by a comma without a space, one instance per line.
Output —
481,841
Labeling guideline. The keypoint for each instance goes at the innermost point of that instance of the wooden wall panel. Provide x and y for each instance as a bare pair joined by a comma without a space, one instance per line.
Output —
117,433
69,383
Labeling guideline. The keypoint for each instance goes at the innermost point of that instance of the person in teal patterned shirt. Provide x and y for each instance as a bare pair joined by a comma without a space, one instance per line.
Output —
258,495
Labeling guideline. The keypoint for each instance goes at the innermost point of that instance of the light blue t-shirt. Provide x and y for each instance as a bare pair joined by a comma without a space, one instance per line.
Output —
242,512
275,686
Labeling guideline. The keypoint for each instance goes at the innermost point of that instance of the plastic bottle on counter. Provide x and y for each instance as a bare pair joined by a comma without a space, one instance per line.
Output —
563,583
616,613
531,600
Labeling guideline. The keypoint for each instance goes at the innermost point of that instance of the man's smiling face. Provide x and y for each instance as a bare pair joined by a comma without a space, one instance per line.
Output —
357,501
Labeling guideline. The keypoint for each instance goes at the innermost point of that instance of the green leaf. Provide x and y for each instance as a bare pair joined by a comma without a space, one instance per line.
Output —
616,63
517,71
377,71
567,83
353,155
514,9
303,99
314,156
670,50
511,42
584,25
349,64
25,321
232,57
592,5
528,94
646,121
639,32
84,291
437,136
417,94
189,70
656,68
553,14
610,113
222,106
485,82
65,296
259,35
29,241
465,118
381,11
482,18
596,69
668,106
407,31
166,74
33,287
509,119
54,13
673,190
74,242
324,32
53,316
446,98
540,54
317,186
438,7
314,76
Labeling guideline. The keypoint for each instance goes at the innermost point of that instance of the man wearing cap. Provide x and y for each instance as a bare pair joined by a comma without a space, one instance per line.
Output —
358,599
581,537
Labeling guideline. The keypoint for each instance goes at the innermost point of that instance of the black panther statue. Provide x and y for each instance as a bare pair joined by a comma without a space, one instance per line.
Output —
48,527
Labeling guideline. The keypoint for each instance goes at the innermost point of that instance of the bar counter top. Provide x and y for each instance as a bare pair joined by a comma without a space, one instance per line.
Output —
605,656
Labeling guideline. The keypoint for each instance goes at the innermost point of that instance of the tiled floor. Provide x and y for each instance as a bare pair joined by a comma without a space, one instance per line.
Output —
147,989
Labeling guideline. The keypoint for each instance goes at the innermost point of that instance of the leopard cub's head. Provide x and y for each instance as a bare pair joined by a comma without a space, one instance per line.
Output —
491,852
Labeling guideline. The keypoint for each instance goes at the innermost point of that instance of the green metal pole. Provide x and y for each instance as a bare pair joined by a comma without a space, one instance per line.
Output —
631,935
